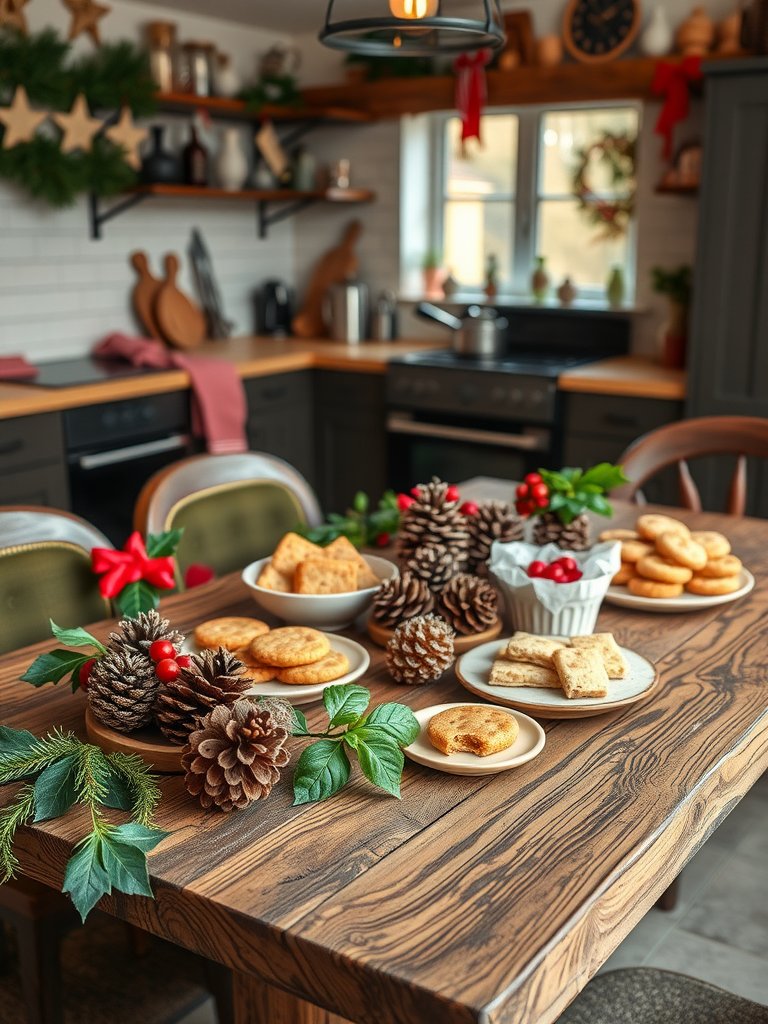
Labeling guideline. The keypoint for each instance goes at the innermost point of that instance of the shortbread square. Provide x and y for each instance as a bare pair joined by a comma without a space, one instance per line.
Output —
535,649
344,549
581,671
325,576
606,646
521,673
271,579
291,550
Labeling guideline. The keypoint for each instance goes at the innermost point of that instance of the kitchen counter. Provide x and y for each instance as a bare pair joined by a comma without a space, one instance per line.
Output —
633,376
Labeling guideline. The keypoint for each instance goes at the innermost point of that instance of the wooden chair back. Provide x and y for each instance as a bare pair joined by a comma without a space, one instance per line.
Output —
677,443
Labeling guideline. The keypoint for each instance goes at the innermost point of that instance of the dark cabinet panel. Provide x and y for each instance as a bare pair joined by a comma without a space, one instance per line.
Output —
32,462
41,485
280,419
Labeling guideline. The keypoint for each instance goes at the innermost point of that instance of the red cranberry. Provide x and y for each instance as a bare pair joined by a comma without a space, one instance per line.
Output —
470,508
452,494
537,569
556,573
161,650
404,502
522,490
184,660
532,478
167,670
382,540
85,671
569,564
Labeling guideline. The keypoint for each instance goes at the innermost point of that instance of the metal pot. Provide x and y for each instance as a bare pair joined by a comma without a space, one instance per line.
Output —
480,335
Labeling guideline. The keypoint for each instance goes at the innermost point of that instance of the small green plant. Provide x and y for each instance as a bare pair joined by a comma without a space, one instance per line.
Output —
675,284
431,260
360,524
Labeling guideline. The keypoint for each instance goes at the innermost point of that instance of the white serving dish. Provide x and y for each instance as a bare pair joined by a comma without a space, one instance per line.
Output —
622,598
322,611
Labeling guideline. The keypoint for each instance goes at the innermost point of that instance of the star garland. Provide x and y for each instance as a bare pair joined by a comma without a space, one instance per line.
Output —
611,215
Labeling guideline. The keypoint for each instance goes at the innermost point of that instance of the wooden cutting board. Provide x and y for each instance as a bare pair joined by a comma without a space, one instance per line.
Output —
181,322
144,294
336,265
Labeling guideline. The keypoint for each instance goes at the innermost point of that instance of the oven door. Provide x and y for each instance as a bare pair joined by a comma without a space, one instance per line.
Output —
452,450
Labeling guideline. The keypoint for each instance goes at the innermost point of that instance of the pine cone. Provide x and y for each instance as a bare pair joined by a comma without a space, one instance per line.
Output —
431,520
434,564
122,688
402,597
421,650
549,530
213,677
235,756
495,520
469,604
140,633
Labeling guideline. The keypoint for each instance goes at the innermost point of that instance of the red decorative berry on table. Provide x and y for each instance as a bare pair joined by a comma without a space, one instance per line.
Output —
404,502
470,508
184,660
555,572
562,570
416,492
569,564
167,670
537,569
162,650
533,478
85,671
452,494
382,540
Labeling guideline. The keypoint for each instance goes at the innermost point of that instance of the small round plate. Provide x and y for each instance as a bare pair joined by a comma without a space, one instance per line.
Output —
381,636
622,598
358,657
530,742
474,668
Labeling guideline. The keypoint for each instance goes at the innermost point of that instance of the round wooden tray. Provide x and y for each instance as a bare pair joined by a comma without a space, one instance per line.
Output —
149,744
382,636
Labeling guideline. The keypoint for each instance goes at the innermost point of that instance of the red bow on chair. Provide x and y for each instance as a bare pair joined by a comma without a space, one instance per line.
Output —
119,568
672,81
471,91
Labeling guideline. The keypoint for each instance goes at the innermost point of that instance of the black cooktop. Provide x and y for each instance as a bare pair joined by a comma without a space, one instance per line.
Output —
66,373
533,363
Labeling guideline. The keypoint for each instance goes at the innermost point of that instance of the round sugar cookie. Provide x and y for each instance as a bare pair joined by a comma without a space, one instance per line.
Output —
654,567
715,544
255,672
717,568
652,525
653,588
333,666
634,550
473,730
232,632
289,646
707,587
682,550
626,572
619,534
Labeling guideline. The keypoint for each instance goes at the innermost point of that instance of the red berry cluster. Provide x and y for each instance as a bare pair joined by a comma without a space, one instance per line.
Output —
562,570
532,494
168,664
469,508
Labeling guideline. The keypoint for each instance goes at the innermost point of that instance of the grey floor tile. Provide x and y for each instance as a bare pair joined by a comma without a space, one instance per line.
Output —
733,908
640,942
204,1014
731,969
748,818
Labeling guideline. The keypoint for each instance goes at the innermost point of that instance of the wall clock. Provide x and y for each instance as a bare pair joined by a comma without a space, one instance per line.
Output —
600,30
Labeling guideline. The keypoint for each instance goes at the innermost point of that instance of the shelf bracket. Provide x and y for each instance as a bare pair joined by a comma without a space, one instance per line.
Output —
286,210
100,216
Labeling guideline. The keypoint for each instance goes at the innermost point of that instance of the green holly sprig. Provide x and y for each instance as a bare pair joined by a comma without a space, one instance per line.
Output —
53,666
360,524
574,491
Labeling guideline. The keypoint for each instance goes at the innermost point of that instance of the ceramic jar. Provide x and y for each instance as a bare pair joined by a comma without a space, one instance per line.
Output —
540,280
696,34
226,80
566,293
231,163
657,37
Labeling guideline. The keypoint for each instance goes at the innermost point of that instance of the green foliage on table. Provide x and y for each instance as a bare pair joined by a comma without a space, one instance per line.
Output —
59,772
362,525
53,666
376,737
573,491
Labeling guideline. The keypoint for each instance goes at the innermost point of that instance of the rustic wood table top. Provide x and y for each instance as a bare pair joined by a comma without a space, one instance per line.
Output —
489,899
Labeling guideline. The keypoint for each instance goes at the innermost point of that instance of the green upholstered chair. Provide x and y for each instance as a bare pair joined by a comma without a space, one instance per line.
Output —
233,508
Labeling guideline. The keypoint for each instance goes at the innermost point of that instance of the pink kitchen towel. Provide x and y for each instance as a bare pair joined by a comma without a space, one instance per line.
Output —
16,368
219,409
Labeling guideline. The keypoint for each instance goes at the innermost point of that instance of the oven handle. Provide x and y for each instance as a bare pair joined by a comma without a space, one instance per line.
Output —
522,442
135,451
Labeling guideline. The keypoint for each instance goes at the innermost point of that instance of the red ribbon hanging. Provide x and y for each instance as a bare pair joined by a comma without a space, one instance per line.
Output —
673,81
471,92
119,568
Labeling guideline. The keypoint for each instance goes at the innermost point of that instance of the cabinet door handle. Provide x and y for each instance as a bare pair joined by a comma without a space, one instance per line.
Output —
9,447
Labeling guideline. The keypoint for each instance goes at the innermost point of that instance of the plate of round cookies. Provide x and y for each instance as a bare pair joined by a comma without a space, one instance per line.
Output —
665,567
474,739
295,663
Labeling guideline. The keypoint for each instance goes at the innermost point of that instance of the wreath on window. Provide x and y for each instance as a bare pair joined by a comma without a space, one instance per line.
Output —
612,216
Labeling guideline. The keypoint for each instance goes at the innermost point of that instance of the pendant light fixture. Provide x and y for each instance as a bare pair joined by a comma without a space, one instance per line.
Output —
414,28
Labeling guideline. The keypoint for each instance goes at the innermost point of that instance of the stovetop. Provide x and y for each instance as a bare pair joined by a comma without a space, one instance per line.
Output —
532,364
67,373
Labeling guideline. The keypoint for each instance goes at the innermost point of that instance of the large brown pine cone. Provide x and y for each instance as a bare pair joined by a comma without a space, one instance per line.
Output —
548,529
213,677
431,520
235,756
140,633
434,564
469,604
420,650
495,520
122,688
403,597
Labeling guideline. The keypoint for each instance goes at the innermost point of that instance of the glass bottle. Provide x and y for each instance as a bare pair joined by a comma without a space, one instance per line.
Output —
161,40
614,289
540,280
195,161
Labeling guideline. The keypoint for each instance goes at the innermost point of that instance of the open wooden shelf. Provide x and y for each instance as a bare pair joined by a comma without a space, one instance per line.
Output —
677,190
237,110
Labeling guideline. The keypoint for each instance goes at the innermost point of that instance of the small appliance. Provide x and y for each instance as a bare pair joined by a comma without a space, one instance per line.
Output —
274,309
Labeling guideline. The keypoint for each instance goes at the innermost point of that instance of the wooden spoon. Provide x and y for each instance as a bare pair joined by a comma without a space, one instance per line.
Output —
181,322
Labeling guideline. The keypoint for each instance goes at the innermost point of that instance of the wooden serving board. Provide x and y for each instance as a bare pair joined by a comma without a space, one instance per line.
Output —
149,744
381,636
145,293
181,322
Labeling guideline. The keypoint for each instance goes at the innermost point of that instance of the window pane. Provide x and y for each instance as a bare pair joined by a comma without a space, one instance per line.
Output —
565,132
566,240
492,168
473,231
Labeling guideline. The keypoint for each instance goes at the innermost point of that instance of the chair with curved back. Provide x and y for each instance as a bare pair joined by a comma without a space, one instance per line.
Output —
676,443
233,508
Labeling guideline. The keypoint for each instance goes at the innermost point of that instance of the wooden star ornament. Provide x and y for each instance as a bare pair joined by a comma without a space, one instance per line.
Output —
78,126
86,15
21,122
126,134
12,14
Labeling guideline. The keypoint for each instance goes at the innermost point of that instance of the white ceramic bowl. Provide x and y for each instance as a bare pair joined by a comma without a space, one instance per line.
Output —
324,611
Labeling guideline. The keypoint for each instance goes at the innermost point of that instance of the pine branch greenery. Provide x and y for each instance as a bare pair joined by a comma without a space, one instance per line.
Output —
11,818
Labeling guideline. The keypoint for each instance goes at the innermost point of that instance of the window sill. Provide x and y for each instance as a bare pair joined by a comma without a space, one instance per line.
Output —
583,306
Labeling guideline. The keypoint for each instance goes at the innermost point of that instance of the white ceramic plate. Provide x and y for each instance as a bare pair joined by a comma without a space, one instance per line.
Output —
358,663
530,742
474,668
622,598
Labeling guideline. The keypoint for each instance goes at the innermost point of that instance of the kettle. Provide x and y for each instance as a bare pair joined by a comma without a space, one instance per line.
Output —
274,309
479,335
346,311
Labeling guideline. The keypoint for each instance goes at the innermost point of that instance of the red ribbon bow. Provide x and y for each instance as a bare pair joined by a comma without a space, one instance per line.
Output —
672,81
119,568
471,91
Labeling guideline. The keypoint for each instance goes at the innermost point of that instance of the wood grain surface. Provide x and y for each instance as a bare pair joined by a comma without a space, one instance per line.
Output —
489,899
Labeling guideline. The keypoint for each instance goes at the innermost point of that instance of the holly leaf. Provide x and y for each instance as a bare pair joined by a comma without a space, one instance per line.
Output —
299,726
397,720
556,501
141,836
15,741
322,770
605,475
345,703
56,788
380,757
53,666
86,879
124,855
136,597
160,545
598,504
118,794
554,480
77,637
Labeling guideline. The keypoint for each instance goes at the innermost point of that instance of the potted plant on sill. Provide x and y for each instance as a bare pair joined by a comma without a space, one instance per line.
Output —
673,336
433,275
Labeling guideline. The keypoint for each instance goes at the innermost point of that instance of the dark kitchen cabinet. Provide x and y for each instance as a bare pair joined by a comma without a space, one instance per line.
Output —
32,462
351,446
280,418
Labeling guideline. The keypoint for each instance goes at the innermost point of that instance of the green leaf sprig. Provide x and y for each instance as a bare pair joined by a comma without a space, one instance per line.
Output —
360,524
573,491
376,737
55,665
60,771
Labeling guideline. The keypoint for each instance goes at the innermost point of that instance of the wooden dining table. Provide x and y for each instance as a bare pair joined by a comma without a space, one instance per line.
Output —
471,900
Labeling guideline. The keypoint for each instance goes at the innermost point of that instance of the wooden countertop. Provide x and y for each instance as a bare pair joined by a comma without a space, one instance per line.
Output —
634,376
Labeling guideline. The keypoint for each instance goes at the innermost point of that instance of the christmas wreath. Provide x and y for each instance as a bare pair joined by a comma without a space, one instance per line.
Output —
617,153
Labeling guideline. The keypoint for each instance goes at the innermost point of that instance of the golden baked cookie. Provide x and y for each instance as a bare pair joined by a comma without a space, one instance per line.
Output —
715,544
289,646
522,673
536,649
255,671
232,632
473,730
651,525
606,646
344,549
619,534
653,588
706,586
717,568
654,567
325,576
291,550
582,672
625,573
682,550
333,666
634,550
271,579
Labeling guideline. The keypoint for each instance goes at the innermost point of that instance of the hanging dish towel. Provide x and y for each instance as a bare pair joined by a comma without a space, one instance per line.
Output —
16,368
219,408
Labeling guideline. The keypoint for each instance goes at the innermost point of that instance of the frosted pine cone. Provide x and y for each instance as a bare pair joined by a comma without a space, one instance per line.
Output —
140,633
548,529
495,520
434,564
122,688
235,756
213,677
469,604
433,520
421,650
403,597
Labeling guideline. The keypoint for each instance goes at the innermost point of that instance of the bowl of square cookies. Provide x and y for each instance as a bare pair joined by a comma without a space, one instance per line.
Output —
325,587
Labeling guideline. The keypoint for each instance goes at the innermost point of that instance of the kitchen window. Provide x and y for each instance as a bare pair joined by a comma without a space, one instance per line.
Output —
513,199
